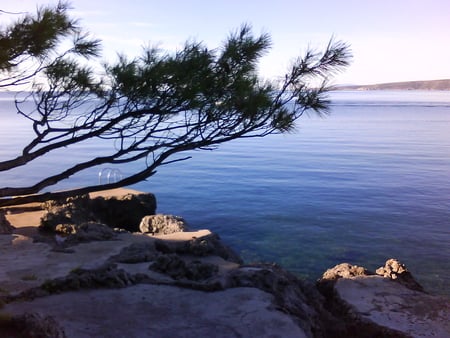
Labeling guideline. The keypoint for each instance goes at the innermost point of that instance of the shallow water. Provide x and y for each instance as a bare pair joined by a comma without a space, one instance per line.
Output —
369,182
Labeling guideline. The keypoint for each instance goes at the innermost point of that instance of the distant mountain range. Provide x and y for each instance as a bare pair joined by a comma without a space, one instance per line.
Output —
409,85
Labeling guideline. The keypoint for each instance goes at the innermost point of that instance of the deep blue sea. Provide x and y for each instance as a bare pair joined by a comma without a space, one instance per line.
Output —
368,182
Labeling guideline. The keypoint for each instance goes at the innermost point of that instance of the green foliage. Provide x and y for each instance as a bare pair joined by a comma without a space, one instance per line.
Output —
34,42
35,36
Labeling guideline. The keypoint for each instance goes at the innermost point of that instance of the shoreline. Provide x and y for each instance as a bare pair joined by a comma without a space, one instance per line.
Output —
74,282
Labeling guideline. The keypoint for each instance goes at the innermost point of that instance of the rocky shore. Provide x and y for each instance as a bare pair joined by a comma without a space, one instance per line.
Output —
107,266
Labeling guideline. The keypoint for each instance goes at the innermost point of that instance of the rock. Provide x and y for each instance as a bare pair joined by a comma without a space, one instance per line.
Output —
177,268
368,305
147,310
5,226
73,210
381,307
123,212
66,229
395,270
209,245
137,253
344,270
31,325
84,232
107,276
162,224
296,297
90,231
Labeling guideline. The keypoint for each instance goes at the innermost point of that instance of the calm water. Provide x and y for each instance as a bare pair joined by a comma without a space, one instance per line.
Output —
367,183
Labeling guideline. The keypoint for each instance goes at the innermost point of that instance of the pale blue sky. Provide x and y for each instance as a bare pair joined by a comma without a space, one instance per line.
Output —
392,40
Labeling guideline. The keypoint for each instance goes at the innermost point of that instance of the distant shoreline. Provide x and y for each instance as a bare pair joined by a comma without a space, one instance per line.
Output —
407,85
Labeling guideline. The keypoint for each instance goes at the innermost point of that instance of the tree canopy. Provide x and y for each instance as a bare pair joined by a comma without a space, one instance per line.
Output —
154,106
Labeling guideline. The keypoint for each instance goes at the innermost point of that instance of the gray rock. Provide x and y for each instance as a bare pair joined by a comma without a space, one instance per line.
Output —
162,224
392,310
296,297
156,311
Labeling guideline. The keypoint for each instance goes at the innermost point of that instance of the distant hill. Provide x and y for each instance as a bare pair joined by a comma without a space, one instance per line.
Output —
409,85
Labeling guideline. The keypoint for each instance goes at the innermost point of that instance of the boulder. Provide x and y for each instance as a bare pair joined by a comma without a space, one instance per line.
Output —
394,269
162,224
72,210
123,212
5,226
344,270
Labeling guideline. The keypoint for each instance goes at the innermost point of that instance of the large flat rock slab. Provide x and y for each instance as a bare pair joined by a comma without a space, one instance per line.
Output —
390,304
25,264
164,311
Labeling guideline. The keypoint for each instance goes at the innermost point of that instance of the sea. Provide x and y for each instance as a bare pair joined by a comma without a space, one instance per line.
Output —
368,182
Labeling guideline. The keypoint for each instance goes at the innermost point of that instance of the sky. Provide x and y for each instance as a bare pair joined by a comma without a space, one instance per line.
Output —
391,40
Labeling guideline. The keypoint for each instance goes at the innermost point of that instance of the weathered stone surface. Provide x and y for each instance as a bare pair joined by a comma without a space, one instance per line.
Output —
390,305
202,246
397,271
90,231
162,224
31,325
344,270
73,210
5,226
137,253
298,298
123,212
177,268
156,311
